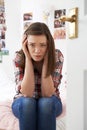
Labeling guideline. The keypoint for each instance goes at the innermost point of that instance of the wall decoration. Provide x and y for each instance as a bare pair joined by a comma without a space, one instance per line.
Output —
3,48
59,34
46,16
27,19
59,27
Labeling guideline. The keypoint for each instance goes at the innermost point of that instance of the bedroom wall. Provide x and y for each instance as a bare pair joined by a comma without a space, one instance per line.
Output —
74,50
13,34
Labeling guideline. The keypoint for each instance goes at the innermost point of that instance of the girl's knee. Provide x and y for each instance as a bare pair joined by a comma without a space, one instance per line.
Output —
46,105
24,103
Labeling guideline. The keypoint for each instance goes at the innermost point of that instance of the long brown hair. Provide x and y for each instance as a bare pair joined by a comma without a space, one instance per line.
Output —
39,28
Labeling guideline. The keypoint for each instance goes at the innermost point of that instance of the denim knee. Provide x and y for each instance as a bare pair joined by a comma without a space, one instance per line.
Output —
46,106
23,105
28,102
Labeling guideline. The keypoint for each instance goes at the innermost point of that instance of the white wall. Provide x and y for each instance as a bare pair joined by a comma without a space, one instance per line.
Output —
74,50
76,64
13,22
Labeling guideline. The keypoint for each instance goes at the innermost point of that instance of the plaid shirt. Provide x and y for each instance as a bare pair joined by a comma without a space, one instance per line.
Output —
56,76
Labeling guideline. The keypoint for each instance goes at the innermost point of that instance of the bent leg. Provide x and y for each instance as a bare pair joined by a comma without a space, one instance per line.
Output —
25,110
48,109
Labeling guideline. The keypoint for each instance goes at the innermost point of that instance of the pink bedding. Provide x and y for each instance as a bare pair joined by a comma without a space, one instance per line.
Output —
7,120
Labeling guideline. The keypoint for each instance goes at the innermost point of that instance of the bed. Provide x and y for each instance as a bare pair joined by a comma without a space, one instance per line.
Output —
7,90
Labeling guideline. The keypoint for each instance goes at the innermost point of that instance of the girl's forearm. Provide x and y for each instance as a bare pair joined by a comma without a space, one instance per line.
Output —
47,81
47,84
28,83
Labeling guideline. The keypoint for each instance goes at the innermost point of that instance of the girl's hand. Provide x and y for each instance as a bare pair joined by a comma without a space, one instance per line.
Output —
24,47
45,63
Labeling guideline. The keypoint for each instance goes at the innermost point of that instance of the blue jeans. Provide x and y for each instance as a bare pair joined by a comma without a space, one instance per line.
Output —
37,114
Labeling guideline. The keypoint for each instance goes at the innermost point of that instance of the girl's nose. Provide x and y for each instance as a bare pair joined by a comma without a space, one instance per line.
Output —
37,50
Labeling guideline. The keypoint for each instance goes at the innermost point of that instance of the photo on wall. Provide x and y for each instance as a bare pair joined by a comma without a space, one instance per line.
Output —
3,47
27,19
59,27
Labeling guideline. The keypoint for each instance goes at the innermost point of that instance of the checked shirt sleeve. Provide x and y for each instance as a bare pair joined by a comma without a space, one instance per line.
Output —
18,73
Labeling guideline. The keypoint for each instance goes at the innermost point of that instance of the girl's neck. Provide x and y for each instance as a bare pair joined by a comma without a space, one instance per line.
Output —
38,65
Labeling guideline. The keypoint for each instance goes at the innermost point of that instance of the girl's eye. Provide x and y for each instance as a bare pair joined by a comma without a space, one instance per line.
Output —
32,45
43,45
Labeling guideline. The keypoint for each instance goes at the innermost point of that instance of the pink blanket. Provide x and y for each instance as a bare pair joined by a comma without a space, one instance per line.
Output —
7,120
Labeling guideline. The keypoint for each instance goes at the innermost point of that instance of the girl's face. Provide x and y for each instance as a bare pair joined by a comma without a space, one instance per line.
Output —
37,46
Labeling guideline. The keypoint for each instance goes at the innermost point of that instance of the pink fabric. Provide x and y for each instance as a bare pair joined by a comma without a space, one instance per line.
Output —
8,121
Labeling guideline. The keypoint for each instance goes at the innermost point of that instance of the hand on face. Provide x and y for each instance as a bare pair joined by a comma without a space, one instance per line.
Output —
24,46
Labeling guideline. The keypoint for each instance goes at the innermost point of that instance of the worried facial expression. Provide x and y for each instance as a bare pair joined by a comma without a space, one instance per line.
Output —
37,46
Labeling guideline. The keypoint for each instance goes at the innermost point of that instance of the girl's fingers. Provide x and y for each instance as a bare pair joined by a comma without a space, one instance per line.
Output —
24,46
24,38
